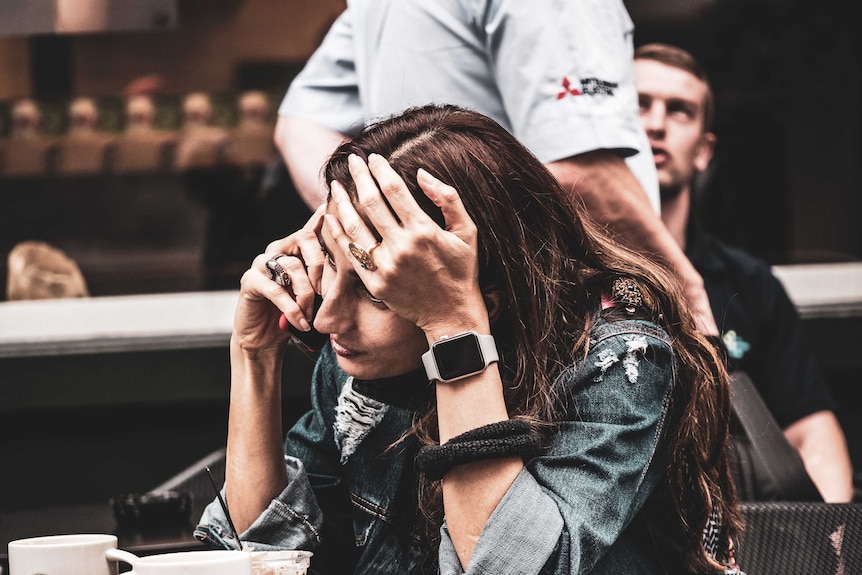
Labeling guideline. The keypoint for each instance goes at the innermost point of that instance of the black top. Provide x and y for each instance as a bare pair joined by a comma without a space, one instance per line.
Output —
760,328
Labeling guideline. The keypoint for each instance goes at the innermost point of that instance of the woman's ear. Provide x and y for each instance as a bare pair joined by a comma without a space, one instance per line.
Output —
494,301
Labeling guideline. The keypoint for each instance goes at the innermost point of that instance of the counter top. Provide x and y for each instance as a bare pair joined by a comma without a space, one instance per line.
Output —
823,290
203,319
116,323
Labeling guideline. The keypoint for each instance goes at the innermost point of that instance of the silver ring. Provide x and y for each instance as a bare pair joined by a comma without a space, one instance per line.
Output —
276,272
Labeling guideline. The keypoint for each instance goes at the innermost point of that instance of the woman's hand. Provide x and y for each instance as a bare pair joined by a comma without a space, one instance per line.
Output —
422,272
262,301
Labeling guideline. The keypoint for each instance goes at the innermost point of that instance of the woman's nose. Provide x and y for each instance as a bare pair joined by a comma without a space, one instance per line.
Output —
334,313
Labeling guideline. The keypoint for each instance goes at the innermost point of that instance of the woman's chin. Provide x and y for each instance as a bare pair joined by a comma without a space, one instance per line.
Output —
361,370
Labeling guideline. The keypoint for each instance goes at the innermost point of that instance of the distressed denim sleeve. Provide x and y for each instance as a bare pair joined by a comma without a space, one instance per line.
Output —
293,520
570,505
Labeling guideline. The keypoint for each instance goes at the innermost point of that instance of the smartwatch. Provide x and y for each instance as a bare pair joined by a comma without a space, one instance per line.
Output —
458,356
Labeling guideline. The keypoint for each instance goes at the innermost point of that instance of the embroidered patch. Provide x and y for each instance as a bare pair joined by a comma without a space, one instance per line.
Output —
597,87
589,87
736,346
355,416
567,89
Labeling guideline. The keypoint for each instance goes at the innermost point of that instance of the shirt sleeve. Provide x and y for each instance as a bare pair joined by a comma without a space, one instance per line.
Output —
293,520
600,468
782,363
326,91
566,75
505,544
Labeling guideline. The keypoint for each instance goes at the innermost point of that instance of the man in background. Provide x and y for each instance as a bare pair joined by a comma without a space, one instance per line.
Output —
557,75
758,323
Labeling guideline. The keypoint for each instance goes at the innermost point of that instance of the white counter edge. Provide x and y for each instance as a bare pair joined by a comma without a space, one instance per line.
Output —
203,319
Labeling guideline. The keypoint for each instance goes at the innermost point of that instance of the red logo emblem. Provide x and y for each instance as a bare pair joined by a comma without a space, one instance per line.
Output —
567,89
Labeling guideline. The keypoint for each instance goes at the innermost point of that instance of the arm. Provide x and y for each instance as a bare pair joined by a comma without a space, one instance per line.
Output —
321,105
612,195
312,511
583,135
821,444
599,469
255,471
305,146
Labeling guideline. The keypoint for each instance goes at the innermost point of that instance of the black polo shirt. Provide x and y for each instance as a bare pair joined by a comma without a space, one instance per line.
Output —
760,328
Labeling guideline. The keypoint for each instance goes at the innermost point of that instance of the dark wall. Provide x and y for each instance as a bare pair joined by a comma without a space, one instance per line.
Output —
784,183
81,428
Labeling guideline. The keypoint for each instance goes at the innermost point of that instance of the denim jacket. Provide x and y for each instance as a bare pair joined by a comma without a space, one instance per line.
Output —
594,501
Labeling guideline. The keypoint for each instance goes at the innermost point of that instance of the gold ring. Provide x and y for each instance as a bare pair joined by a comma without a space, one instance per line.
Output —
363,256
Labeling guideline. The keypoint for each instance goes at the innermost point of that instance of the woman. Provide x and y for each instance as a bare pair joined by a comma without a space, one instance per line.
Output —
588,433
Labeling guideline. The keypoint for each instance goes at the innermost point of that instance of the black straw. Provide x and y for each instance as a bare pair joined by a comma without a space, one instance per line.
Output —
224,507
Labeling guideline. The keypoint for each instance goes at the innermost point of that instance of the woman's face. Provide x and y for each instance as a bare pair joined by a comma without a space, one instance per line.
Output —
369,340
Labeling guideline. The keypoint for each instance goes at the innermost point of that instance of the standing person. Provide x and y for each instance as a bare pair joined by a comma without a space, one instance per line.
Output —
557,75
759,324
572,420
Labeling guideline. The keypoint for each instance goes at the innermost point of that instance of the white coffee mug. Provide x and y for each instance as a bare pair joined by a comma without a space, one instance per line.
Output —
80,554
187,563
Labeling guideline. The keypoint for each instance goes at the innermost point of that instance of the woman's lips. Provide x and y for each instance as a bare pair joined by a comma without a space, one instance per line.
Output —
340,349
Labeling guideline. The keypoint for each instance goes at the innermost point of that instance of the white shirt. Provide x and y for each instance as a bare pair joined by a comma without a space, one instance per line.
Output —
557,74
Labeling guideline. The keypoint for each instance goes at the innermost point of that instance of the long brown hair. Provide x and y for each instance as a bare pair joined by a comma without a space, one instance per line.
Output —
553,264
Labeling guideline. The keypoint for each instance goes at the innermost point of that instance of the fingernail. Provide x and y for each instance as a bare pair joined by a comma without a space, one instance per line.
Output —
304,325
424,175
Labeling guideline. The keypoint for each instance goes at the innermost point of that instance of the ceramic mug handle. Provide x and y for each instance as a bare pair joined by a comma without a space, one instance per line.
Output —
124,556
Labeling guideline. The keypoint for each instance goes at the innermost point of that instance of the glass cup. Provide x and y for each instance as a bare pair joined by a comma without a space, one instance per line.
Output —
280,562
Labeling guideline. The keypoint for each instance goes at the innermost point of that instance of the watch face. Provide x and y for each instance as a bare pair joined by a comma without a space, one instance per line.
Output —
458,356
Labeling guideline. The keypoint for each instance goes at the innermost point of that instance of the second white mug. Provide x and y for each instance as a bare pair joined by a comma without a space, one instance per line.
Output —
187,562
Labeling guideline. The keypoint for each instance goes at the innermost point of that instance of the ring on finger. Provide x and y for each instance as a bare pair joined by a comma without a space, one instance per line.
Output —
363,256
276,272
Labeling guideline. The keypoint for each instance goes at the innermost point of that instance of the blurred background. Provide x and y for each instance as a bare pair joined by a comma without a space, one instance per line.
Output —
135,137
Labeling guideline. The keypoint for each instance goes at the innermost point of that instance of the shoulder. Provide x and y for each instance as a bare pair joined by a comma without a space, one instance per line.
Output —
625,379
719,257
742,274
625,329
624,352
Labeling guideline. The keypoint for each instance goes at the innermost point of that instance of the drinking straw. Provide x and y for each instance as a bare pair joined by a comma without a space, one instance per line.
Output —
223,506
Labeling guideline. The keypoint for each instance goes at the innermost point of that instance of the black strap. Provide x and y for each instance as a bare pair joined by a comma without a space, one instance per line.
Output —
781,461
